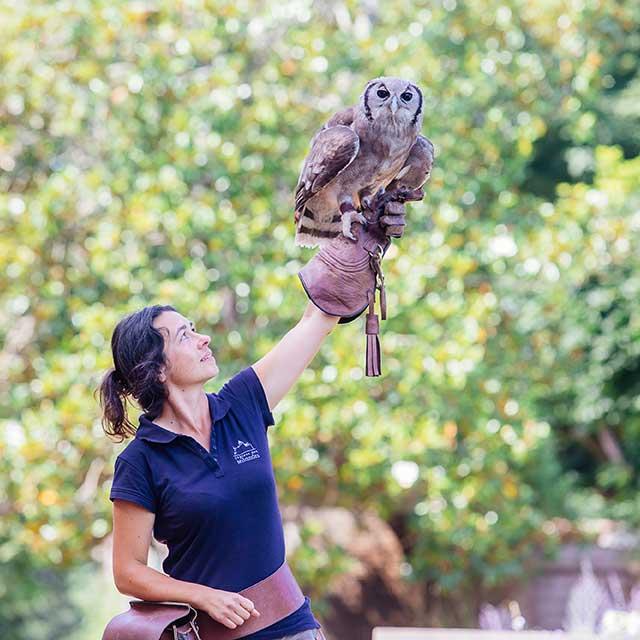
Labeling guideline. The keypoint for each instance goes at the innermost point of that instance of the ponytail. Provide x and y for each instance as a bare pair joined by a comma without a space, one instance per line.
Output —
113,400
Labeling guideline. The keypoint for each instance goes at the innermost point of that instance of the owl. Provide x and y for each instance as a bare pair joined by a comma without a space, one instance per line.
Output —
373,145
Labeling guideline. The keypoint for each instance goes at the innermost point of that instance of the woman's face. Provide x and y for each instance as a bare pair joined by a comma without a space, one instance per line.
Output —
189,359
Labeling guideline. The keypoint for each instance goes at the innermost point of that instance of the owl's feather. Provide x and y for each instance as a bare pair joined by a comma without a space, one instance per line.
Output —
345,117
332,150
417,166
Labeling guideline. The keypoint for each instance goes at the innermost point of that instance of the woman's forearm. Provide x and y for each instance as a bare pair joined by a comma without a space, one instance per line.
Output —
146,583
279,369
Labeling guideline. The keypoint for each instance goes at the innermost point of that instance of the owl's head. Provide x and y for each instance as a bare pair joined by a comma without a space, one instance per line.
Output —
392,98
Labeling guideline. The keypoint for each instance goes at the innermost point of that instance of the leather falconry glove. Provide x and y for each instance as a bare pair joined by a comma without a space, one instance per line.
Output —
342,278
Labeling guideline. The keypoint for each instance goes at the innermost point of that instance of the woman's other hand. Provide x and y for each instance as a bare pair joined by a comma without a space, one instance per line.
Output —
229,608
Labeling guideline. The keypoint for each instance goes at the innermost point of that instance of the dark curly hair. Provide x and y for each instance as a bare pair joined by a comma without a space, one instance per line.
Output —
138,357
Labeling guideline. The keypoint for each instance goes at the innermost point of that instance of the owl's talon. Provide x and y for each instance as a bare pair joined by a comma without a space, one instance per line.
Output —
348,218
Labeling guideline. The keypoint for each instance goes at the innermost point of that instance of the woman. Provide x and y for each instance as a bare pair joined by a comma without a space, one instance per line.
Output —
198,473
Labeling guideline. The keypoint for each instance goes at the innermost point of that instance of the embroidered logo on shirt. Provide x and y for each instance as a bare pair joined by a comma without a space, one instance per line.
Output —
244,452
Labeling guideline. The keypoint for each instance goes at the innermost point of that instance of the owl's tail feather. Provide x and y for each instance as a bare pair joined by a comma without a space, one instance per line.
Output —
304,239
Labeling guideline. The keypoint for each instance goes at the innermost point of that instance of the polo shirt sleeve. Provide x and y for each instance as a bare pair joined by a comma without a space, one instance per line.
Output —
131,483
245,387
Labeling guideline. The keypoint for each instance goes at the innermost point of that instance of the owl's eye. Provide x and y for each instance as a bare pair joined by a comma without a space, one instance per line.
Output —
406,96
383,93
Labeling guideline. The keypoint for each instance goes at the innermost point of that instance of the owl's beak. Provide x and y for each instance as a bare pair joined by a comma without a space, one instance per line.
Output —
394,105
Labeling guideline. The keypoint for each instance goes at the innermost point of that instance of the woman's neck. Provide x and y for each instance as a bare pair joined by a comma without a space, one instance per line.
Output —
186,411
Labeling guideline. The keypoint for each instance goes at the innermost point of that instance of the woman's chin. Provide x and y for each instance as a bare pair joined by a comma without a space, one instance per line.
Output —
207,372
209,365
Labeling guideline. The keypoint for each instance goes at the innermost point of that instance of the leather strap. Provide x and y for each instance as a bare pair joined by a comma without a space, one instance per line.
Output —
275,597
372,324
376,267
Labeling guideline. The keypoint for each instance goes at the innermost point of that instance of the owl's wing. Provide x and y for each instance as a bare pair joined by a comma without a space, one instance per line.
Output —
345,117
332,150
417,166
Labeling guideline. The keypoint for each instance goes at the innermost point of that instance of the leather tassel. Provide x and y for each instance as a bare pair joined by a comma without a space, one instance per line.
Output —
372,329
373,356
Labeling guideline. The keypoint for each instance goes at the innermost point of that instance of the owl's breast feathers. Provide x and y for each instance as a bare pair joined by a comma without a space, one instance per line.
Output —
384,150
385,134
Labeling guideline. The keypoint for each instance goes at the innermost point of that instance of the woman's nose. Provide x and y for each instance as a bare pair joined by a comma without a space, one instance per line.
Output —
204,340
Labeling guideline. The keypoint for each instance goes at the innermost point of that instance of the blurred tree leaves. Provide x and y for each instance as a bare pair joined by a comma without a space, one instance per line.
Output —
148,153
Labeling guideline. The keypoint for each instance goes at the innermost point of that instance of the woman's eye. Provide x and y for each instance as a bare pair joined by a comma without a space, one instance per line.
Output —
406,96
383,93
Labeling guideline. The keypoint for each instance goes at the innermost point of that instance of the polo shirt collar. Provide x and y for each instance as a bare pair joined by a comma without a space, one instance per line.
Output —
218,406
149,430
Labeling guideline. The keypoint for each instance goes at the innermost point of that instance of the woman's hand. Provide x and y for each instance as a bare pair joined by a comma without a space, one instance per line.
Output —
229,608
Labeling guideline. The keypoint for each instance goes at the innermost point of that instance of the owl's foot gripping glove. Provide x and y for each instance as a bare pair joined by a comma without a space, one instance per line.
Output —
342,278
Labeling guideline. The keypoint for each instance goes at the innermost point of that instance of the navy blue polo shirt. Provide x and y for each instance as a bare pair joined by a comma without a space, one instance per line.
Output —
217,512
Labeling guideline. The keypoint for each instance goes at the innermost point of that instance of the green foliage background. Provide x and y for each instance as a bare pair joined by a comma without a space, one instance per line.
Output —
148,153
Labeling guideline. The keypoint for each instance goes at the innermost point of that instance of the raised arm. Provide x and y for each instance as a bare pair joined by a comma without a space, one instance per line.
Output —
279,369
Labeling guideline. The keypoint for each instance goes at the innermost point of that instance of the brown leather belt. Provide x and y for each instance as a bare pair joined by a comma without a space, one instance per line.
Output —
275,597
